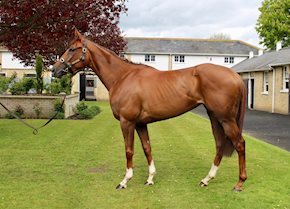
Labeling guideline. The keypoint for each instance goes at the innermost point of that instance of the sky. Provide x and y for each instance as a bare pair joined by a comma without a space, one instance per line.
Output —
192,19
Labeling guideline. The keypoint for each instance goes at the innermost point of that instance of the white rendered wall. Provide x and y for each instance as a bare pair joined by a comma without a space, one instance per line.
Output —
162,62
9,62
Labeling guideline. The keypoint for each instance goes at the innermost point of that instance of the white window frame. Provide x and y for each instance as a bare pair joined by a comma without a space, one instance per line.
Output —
285,78
265,82
230,60
150,58
179,58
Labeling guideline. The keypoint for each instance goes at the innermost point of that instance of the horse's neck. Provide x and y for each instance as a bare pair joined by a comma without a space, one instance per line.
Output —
109,67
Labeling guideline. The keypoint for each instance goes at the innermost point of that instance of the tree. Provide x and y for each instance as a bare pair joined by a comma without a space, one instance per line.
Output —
39,74
273,24
220,36
45,26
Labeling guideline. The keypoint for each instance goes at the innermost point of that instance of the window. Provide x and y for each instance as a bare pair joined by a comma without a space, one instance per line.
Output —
90,83
229,59
285,85
266,82
29,75
149,58
179,58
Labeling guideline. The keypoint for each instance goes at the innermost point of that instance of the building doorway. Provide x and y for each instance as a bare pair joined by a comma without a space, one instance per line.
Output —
251,93
87,87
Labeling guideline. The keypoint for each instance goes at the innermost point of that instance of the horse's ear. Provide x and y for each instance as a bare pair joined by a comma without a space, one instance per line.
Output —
78,35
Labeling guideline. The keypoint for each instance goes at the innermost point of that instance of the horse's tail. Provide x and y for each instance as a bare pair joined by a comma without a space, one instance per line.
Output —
242,108
228,145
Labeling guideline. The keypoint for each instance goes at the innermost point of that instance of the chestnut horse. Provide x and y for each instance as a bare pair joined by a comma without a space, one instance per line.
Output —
140,94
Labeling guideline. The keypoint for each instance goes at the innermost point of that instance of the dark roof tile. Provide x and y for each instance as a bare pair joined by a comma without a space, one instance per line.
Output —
188,46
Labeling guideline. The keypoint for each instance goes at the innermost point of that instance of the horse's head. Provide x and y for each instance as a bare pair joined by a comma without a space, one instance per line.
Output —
75,58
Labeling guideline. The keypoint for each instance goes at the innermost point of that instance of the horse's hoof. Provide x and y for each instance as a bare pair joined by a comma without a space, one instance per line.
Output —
148,183
237,190
120,187
202,184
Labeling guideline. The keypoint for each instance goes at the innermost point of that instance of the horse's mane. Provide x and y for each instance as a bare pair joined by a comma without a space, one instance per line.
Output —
116,55
107,50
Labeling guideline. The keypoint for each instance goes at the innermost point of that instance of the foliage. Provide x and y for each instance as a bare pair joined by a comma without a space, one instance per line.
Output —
273,24
23,86
5,82
39,76
58,109
77,164
37,109
80,107
46,26
19,111
62,84
83,111
220,36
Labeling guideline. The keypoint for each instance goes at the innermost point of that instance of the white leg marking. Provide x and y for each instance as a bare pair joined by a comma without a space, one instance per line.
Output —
128,176
152,172
210,175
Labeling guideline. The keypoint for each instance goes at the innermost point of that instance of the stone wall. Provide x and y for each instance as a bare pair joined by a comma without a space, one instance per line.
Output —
46,104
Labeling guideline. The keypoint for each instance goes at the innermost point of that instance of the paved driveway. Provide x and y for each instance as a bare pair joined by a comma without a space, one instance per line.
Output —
269,127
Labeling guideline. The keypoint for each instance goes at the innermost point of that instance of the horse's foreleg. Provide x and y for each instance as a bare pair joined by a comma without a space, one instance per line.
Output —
232,131
144,137
219,139
128,134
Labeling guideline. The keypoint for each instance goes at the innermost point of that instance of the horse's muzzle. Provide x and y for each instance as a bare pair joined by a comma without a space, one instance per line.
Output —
57,73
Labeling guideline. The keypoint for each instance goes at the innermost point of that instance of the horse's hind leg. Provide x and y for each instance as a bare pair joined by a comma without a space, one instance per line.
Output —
220,138
144,137
128,133
234,134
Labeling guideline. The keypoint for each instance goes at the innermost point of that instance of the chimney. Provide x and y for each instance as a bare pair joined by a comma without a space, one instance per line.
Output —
278,45
261,52
251,54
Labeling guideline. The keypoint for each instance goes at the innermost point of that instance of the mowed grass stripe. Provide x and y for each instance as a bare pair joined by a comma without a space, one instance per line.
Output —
77,164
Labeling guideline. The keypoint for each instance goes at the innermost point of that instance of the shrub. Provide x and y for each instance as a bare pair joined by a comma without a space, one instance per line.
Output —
23,86
17,88
95,109
80,107
28,83
4,84
58,108
62,84
84,112
39,77
38,110
19,111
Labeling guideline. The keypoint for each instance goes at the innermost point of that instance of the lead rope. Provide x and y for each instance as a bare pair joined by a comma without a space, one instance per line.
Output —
35,130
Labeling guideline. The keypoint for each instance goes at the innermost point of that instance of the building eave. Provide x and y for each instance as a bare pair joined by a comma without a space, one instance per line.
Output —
188,54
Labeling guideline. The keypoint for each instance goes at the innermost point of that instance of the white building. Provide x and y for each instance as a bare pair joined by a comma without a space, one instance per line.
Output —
160,53
10,65
176,53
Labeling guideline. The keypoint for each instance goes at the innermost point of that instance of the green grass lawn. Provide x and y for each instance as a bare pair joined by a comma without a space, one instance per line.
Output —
77,164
